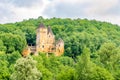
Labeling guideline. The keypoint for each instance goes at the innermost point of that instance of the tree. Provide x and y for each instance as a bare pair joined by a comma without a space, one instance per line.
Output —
66,73
12,42
66,61
25,69
109,58
2,47
86,70
13,57
4,71
106,52
41,61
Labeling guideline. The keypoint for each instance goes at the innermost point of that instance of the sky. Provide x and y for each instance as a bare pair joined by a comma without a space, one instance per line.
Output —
18,10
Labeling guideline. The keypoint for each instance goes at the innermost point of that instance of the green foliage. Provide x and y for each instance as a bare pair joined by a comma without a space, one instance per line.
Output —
66,61
54,67
2,47
66,73
25,69
12,42
4,71
100,62
13,57
110,58
100,73
86,70
41,62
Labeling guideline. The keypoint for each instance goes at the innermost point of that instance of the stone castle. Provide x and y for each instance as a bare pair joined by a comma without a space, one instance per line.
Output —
45,42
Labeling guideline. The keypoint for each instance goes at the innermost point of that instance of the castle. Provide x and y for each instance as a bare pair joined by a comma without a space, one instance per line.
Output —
45,42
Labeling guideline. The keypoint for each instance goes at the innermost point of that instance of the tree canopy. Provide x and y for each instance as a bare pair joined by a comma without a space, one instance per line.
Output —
92,50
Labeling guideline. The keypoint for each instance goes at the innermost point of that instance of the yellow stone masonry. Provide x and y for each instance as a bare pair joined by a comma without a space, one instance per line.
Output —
45,42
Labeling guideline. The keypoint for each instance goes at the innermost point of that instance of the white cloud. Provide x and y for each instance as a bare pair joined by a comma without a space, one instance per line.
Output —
97,7
25,13
20,13
91,9
104,10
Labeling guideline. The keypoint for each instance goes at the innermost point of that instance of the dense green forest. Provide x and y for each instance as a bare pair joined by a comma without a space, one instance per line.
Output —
92,51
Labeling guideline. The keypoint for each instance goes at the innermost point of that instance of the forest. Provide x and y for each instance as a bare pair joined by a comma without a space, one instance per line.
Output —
92,50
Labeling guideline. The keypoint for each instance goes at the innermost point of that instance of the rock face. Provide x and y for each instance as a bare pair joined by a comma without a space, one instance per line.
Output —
45,42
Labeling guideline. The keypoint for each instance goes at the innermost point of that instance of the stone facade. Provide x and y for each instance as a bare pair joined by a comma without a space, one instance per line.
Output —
45,42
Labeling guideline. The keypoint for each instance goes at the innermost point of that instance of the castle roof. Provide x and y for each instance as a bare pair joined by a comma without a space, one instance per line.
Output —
60,41
49,30
41,25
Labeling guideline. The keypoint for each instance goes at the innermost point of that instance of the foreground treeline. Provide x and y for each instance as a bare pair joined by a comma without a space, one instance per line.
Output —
106,66
92,51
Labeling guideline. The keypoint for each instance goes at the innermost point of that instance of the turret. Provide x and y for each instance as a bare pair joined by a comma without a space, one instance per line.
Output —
59,47
51,37
41,39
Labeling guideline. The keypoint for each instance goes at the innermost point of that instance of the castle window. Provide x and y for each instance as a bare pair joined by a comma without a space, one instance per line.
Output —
52,48
42,46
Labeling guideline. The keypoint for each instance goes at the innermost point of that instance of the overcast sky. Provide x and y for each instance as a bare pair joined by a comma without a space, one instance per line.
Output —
17,10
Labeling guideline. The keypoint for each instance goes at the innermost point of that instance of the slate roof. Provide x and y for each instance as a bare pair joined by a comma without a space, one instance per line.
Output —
41,25
49,30
60,41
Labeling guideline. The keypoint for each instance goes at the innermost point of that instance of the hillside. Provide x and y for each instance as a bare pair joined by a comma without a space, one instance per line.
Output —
76,33
95,43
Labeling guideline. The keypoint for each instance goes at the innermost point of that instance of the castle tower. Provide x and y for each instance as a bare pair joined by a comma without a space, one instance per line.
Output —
50,40
41,38
51,37
45,42
59,47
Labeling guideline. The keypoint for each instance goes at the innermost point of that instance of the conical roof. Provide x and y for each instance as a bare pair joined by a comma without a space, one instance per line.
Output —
60,41
41,25
49,30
